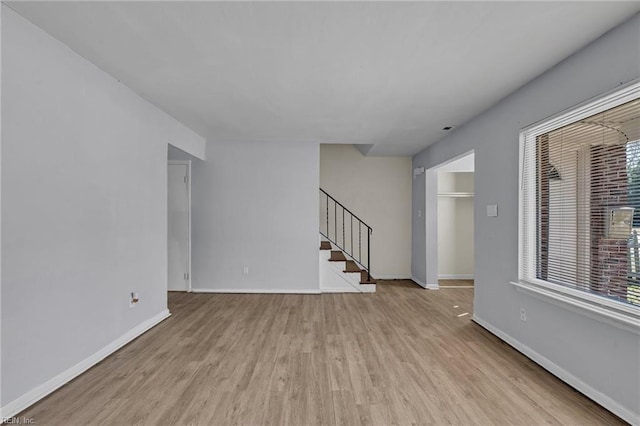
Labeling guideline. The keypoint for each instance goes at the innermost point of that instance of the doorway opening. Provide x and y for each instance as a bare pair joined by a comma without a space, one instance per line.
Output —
450,190
179,225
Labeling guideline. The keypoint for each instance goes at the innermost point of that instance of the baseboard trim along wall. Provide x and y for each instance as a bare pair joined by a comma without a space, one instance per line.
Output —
419,282
455,277
16,406
562,374
422,284
339,290
391,276
257,291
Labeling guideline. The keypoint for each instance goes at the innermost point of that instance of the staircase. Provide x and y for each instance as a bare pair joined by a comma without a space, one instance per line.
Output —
347,240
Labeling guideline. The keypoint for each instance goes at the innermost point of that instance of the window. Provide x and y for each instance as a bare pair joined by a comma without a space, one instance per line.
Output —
580,200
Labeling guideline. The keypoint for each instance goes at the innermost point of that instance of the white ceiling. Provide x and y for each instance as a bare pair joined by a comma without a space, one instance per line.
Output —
387,74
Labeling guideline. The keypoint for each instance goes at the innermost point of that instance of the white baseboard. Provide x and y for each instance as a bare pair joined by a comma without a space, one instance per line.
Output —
391,276
339,290
257,290
433,286
573,381
16,406
455,277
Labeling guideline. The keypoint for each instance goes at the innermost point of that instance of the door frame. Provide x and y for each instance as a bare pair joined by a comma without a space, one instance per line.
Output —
431,220
188,164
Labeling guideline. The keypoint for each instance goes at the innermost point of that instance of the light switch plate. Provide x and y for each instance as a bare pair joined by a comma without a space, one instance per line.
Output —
492,210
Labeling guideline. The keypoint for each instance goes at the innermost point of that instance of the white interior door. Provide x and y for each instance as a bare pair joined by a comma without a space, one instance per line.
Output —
179,233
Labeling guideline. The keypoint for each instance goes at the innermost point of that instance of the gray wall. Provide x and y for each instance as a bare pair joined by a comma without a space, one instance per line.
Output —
84,207
602,359
256,205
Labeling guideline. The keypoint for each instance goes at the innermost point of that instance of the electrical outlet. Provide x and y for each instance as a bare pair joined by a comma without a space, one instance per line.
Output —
245,270
523,314
133,301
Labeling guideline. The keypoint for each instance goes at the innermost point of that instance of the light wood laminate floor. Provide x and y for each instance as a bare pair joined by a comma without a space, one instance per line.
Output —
400,356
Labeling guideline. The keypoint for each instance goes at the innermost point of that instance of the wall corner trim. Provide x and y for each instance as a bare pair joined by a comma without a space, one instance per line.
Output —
419,282
16,406
623,412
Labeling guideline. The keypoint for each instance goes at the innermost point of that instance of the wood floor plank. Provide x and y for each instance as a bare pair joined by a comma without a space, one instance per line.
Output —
400,356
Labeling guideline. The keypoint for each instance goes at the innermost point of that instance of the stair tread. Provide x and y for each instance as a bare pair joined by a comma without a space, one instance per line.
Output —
337,256
351,266
364,280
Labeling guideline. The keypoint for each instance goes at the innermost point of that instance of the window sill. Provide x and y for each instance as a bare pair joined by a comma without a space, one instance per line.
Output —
615,313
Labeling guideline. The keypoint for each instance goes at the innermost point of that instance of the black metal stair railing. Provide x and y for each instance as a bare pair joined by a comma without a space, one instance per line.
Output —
344,229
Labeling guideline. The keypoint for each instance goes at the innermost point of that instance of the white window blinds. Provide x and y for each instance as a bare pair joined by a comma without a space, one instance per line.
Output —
580,199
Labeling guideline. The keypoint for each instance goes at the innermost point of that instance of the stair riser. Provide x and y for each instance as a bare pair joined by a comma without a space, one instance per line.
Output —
350,266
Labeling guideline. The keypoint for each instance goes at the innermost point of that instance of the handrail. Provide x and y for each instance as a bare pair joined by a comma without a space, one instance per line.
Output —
348,249
348,211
